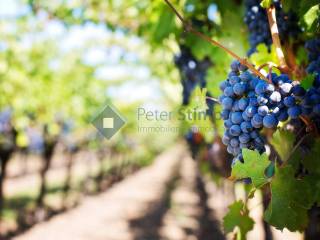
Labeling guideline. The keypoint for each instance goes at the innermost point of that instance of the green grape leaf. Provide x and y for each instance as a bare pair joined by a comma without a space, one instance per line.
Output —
290,200
306,83
311,16
311,161
195,113
266,3
301,55
238,216
254,167
314,181
198,101
199,48
165,25
262,55
215,75
289,5
283,141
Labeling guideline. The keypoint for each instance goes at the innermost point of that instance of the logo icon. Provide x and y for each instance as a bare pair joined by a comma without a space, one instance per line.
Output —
108,122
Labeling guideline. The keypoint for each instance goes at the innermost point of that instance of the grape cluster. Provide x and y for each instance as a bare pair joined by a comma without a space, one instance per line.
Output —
240,104
257,22
192,72
310,103
36,141
5,119
250,103
7,134
313,48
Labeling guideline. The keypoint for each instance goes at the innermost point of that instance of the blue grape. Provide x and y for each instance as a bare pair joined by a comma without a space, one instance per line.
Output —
298,91
228,123
275,97
285,89
256,121
234,80
225,114
235,130
260,87
230,149
269,88
262,100
315,98
228,91
294,112
236,117
254,134
245,116
227,103
244,138
245,76
250,111
283,116
253,102
246,127
223,85
239,88
234,142
263,110
243,103
235,65
251,94
316,109
270,121
289,101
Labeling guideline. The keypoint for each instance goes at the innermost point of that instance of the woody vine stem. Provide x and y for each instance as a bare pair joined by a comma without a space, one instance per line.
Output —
271,13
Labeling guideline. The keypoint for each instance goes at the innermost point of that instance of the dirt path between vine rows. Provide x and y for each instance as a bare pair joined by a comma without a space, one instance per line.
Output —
115,214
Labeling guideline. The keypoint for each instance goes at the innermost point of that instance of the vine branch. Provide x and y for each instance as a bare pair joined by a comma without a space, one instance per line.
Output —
189,28
271,13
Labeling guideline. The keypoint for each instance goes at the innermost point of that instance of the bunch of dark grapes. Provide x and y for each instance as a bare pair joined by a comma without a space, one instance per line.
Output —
250,103
192,71
257,22
7,134
36,141
239,104
313,48
195,141
310,103
5,119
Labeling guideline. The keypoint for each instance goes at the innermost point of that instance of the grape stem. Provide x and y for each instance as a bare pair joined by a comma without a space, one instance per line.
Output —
271,13
189,28
213,99
269,64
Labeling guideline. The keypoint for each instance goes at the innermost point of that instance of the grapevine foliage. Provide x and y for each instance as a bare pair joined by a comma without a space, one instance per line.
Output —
254,167
291,198
238,216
